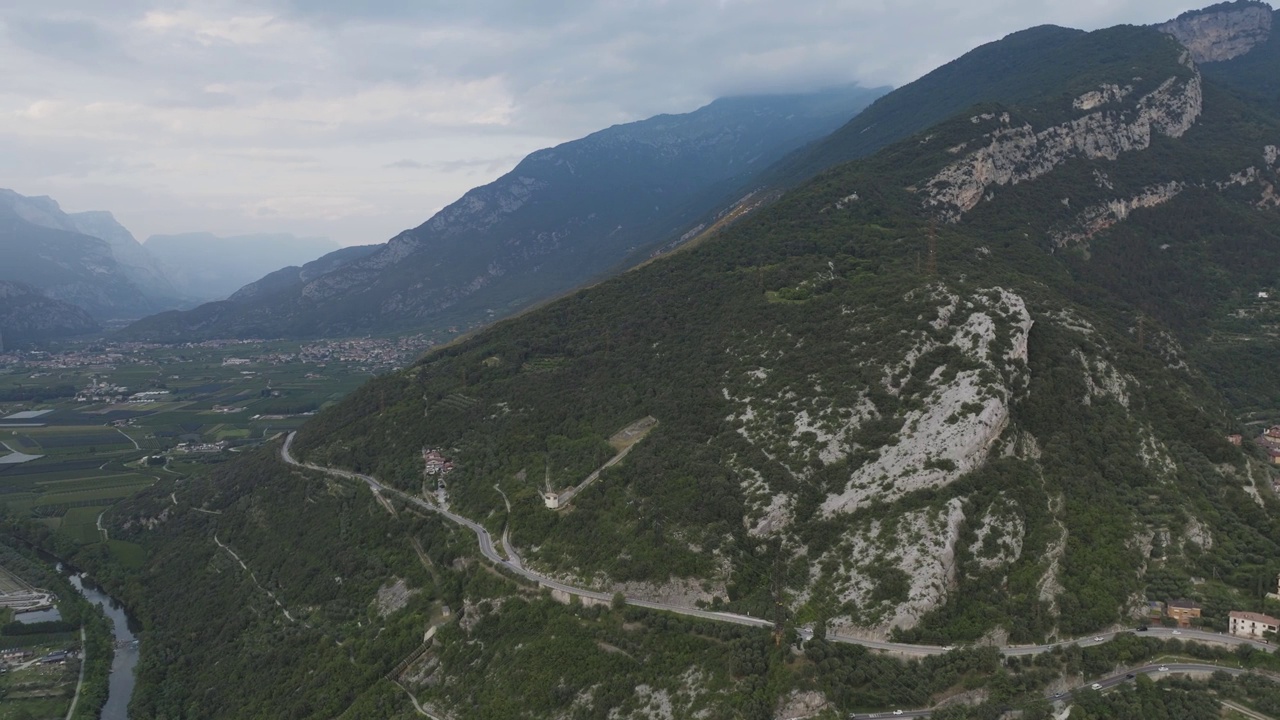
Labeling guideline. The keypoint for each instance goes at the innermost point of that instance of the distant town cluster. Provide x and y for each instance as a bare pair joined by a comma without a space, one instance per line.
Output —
370,354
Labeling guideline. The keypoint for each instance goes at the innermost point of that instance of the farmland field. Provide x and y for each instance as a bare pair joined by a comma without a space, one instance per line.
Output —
10,583
111,421
81,524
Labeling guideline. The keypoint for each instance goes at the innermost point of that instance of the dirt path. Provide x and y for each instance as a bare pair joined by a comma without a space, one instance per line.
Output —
1245,711
254,577
416,705
136,446
79,683
506,532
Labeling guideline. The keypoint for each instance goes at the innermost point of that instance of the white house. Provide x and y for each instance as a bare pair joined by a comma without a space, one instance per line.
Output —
1252,625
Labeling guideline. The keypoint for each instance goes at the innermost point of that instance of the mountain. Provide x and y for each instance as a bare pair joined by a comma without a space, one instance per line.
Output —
210,267
290,277
563,217
48,250
208,319
27,316
975,389
137,265
1238,45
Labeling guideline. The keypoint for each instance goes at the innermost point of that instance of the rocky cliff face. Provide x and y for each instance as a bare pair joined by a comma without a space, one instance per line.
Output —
1009,154
1222,32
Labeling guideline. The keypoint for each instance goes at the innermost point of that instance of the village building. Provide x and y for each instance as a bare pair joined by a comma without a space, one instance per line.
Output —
1183,611
436,464
1271,436
551,499
1252,625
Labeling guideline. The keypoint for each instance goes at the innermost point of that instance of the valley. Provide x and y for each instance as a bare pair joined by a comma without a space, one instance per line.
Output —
958,400
83,426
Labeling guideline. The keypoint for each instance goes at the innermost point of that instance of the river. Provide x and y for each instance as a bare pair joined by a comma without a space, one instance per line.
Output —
120,683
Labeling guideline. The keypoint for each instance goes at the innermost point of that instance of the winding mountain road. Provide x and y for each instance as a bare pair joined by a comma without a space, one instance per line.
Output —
515,566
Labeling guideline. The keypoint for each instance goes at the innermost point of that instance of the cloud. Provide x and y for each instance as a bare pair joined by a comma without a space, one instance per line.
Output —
182,115
209,30
488,165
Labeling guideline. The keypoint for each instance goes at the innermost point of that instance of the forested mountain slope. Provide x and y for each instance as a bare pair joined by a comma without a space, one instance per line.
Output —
973,388
564,216
27,316
906,424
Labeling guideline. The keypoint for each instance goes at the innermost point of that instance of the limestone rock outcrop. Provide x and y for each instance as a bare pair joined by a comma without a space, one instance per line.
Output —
1012,155
1224,33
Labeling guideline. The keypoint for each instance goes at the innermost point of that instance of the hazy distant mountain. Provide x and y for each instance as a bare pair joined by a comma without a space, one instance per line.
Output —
287,278
563,217
210,317
133,260
43,248
208,267
26,315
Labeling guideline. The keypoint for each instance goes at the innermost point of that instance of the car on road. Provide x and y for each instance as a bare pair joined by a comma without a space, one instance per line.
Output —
1097,638
1177,632
897,712
1129,676
1096,686
1164,668
1142,628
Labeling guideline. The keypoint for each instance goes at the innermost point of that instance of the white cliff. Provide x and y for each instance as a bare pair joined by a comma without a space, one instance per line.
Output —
1222,34
1012,155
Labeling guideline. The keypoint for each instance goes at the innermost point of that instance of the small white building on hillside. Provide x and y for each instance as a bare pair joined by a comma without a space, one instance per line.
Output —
1252,625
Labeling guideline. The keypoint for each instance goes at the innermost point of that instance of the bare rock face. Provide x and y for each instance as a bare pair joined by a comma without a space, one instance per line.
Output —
800,705
1222,34
1100,217
1010,155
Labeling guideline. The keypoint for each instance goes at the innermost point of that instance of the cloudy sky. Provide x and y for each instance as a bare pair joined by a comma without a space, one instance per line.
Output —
359,118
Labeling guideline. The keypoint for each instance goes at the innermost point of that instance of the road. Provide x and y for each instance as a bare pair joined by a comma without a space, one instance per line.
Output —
515,566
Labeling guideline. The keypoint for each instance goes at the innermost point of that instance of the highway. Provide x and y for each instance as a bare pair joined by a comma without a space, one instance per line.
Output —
514,565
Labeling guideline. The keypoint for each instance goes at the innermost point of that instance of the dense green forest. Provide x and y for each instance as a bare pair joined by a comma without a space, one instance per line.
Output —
879,412
1114,447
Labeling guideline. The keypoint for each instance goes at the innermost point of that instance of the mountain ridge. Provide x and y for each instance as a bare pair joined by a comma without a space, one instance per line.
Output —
929,395
564,216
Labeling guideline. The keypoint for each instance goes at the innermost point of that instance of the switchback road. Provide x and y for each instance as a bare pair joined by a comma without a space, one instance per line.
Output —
514,565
